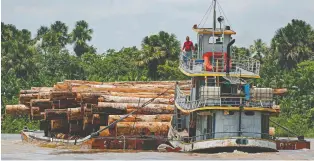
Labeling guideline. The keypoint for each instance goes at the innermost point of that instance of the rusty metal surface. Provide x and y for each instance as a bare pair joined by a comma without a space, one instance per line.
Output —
130,143
292,144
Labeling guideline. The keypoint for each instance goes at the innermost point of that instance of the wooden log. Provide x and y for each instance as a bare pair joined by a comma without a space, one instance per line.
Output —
42,103
142,128
280,91
131,99
132,90
59,125
142,95
108,108
123,106
141,118
75,113
90,98
61,104
28,91
42,89
35,111
126,82
152,111
96,119
82,82
44,95
28,96
106,132
85,95
57,95
17,110
56,114
61,87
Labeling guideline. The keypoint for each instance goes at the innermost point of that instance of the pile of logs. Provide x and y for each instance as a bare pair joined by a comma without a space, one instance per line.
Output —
78,107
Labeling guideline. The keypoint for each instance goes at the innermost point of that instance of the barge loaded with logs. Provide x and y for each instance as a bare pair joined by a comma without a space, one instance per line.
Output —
218,109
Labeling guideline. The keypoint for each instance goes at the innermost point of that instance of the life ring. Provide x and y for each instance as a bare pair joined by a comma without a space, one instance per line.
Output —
207,57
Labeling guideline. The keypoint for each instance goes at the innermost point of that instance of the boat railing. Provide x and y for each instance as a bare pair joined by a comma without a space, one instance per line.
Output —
186,103
245,65
207,136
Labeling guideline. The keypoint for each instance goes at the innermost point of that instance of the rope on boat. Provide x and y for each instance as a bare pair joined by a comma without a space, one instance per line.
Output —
299,137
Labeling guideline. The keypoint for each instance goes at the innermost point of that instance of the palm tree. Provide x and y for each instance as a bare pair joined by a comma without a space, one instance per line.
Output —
80,35
294,43
156,49
55,36
258,50
60,30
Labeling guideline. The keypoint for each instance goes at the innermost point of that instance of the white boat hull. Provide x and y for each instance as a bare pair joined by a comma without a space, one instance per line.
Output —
257,145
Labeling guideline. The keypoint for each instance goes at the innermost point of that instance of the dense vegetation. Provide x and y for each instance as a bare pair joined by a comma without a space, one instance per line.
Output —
45,59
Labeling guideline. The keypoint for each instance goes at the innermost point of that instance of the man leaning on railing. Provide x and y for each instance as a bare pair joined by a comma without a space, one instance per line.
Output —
188,47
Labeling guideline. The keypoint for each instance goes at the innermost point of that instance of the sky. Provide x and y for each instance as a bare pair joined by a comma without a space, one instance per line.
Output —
124,23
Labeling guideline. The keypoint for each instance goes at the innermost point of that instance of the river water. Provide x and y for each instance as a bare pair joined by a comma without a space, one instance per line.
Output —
13,148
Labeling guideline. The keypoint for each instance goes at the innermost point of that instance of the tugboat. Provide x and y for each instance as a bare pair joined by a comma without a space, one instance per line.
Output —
224,111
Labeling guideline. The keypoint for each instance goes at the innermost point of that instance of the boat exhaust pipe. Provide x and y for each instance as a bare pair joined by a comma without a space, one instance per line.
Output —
228,55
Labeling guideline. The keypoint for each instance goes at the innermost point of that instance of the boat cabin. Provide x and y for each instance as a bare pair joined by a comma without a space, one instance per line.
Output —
214,57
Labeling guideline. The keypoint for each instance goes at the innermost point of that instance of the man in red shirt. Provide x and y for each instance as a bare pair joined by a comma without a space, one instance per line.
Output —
188,47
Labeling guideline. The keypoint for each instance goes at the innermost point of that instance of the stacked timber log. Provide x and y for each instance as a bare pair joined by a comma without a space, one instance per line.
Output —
75,107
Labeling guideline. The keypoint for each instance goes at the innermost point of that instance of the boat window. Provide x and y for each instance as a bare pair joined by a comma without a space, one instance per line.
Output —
215,40
231,113
249,113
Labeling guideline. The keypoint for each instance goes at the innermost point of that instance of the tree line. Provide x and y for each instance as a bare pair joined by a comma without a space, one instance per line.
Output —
44,60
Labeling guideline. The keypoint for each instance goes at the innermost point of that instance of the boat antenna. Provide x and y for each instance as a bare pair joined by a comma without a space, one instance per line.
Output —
214,19
207,11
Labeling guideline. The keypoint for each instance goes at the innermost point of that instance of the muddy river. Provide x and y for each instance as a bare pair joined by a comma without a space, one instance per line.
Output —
13,148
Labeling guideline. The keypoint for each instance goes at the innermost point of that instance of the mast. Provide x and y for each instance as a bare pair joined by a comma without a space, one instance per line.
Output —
214,15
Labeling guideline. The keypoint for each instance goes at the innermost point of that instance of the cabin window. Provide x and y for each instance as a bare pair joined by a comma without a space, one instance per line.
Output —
215,40
249,113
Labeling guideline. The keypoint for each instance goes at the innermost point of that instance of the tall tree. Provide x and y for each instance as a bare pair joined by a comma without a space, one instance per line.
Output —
56,36
156,49
258,49
80,35
294,43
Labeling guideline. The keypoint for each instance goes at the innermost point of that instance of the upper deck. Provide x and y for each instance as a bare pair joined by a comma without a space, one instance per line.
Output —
211,31
216,98
240,66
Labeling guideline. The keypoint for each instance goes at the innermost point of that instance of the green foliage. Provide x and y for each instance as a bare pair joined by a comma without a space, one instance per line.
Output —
15,125
289,64
294,43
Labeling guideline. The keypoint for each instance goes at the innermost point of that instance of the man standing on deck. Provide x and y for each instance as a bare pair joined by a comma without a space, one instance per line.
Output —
188,47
